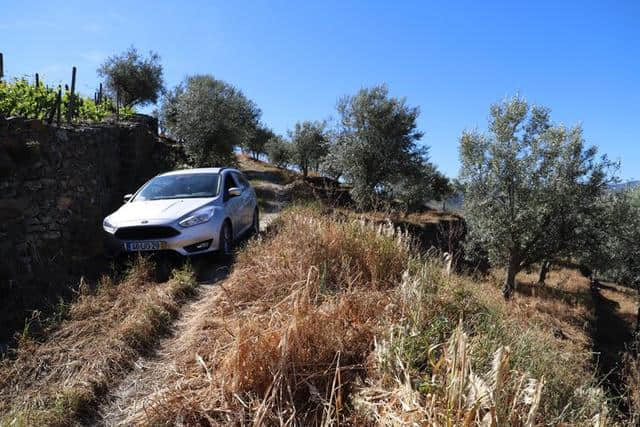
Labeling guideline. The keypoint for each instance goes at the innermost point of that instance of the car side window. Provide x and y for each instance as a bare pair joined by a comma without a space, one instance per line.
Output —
229,182
244,184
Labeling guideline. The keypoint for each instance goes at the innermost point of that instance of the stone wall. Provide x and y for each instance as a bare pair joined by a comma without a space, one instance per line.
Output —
56,186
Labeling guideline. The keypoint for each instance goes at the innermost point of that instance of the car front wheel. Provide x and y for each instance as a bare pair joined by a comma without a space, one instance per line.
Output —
255,227
226,239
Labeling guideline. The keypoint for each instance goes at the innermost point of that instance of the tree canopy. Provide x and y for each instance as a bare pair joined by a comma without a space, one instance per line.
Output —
211,118
278,151
136,80
377,150
530,186
309,144
255,145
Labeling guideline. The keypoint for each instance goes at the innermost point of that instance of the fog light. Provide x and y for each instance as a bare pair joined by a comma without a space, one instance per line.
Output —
200,246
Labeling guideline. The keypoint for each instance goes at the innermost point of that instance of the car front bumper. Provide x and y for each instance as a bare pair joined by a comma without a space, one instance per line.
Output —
184,243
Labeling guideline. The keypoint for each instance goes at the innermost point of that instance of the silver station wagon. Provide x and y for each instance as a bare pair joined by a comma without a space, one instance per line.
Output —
191,211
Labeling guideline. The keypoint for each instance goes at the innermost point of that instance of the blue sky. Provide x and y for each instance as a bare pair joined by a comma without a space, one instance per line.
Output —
294,59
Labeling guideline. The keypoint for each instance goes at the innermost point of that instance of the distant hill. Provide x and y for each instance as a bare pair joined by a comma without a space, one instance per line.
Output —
625,185
454,203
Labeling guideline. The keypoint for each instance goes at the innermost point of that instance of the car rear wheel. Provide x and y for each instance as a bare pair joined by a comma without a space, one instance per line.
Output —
226,239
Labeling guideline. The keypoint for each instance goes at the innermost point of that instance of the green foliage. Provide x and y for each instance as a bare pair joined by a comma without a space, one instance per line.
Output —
530,187
20,98
309,145
256,143
419,184
211,117
137,80
278,151
615,248
376,150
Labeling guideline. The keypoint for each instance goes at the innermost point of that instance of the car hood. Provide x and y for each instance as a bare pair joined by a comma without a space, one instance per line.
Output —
155,210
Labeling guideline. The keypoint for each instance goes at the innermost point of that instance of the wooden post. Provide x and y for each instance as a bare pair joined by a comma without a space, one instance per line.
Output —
59,104
52,112
71,95
1,67
37,80
100,94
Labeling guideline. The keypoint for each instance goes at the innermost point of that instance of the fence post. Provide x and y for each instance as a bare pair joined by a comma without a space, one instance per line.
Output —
100,94
37,80
1,67
71,97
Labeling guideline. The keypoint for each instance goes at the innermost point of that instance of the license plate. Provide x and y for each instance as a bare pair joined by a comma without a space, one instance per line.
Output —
144,246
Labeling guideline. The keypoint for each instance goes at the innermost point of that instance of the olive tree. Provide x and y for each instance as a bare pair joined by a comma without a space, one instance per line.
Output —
278,151
530,186
136,80
376,149
255,145
211,118
309,145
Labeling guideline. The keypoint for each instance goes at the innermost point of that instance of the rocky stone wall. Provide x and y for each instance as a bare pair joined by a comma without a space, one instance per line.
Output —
56,186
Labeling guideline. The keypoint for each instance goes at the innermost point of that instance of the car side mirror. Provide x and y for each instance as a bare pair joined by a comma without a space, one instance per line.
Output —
127,197
234,191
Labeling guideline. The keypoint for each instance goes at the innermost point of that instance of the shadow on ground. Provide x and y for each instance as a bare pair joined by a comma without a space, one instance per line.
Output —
611,336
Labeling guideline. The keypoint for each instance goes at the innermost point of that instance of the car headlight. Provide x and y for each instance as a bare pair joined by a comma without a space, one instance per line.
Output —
199,217
108,227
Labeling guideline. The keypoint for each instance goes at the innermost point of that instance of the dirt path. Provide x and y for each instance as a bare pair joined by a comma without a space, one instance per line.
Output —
141,384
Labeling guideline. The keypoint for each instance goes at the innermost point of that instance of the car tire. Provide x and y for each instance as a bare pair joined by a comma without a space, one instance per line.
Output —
255,225
226,239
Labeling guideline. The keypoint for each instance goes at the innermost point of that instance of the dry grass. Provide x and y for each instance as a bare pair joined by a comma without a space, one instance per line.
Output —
256,169
631,375
325,320
416,218
269,350
564,305
58,381
328,321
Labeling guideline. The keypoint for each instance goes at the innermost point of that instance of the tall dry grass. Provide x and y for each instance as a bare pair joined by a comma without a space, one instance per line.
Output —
291,327
59,380
328,321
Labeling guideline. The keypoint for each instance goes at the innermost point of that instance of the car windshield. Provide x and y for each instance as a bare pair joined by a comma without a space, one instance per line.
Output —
181,186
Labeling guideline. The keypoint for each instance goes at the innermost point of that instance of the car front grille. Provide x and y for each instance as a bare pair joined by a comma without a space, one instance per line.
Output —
146,232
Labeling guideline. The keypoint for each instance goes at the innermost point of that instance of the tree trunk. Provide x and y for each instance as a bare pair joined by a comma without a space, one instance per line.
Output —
638,322
544,269
510,280
637,284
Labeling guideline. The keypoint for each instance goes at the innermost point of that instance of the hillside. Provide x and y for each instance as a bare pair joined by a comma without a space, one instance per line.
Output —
329,316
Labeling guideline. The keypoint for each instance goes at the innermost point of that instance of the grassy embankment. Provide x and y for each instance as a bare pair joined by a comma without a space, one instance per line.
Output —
328,320
59,380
